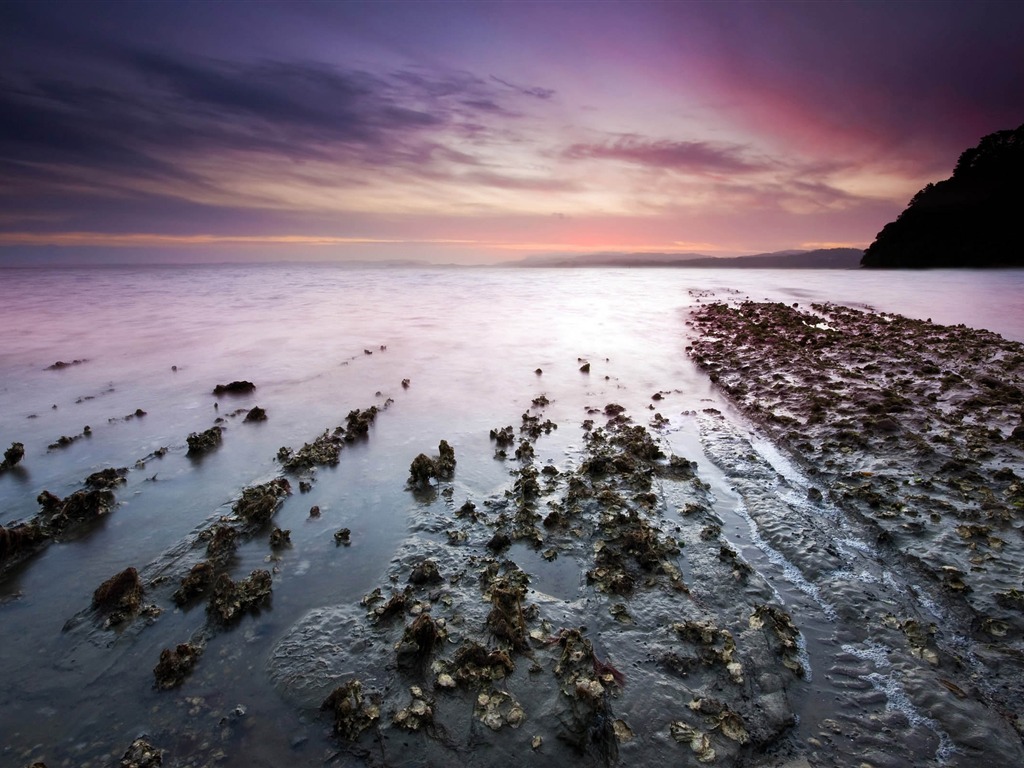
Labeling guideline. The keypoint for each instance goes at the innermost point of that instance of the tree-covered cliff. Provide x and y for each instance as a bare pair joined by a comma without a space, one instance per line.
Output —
972,219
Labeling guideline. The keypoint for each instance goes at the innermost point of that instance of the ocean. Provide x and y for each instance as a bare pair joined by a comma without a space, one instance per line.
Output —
145,347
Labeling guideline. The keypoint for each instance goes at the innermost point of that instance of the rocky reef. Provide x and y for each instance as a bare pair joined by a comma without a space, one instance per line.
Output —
912,430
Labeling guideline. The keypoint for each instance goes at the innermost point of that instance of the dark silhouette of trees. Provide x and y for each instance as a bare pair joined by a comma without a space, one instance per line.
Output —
972,219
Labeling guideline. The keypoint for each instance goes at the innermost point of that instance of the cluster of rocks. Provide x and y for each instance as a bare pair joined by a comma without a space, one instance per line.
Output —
462,633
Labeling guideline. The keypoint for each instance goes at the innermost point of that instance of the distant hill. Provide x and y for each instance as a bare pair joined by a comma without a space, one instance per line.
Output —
824,258
972,219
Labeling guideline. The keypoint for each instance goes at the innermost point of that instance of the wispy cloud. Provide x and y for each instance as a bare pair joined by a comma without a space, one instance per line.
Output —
536,92
696,157
169,121
150,240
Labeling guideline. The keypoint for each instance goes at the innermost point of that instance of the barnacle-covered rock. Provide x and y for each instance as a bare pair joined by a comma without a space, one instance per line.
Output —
496,709
419,713
107,478
230,599
17,540
79,507
12,456
258,503
142,754
119,598
195,583
176,664
780,623
418,641
353,713
280,538
204,442
697,740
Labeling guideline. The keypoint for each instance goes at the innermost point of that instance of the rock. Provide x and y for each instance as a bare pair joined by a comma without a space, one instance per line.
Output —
49,502
357,423
499,542
419,713
195,583
231,599
203,442
504,437
441,467
258,503
17,539
353,713
280,538
221,543
418,642
323,451
12,456
234,388
425,572
175,665
585,368
79,507
142,754
343,536
421,470
107,478
60,364
255,414
445,460
119,598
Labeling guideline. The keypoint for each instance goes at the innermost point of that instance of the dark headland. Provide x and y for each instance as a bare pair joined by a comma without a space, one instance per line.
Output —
971,219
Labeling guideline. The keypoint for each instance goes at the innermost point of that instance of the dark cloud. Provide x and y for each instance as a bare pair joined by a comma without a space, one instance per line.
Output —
696,157
150,115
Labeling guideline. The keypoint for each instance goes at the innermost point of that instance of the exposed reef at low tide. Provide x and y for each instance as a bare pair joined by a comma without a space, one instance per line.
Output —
914,429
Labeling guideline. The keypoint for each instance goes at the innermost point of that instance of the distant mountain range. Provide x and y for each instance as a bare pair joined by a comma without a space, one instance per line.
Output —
823,258
972,219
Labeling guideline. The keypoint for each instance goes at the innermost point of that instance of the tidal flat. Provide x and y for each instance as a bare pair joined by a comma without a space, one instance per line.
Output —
603,518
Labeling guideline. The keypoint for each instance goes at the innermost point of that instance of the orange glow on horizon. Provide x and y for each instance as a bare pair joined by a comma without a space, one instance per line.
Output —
586,244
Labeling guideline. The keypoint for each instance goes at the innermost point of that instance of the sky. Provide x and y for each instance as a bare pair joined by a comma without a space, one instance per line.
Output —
481,132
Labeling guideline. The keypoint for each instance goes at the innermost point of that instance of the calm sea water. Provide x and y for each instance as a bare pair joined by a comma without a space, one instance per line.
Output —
468,340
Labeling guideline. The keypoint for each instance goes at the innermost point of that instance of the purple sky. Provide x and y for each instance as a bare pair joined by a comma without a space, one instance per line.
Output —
472,132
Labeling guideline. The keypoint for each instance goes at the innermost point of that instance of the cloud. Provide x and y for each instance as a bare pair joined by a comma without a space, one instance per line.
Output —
536,92
145,239
197,128
694,157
